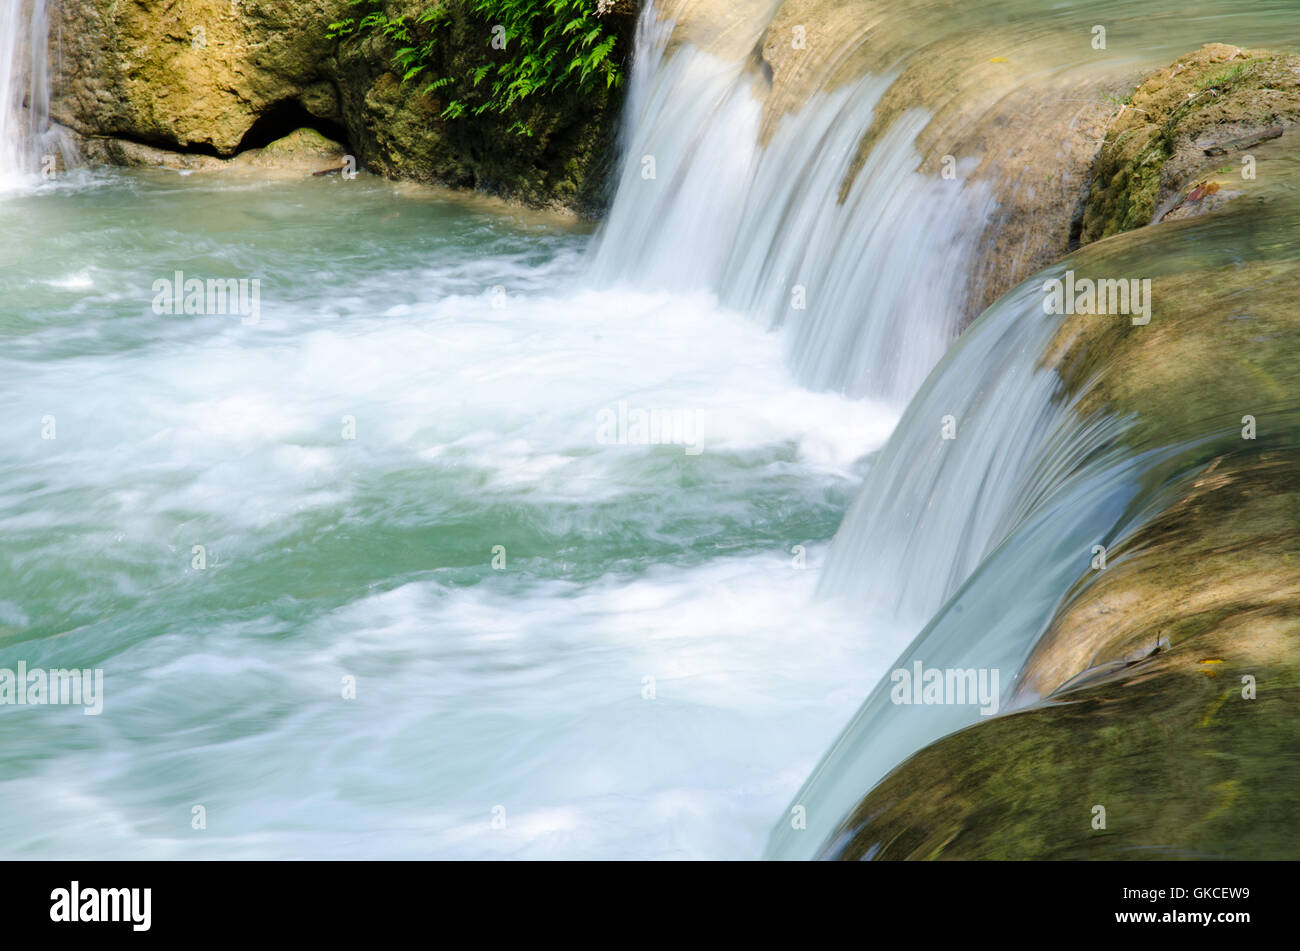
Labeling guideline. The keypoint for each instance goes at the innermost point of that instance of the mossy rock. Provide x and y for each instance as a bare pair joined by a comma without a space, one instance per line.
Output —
1183,728
1166,687
1184,120
565,159
212,80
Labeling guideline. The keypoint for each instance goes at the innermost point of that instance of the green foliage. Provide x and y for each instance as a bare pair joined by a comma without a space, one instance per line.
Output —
1224,77
1119,101
533,47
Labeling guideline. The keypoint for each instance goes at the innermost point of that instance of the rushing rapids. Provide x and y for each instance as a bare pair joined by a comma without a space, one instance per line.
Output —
422,470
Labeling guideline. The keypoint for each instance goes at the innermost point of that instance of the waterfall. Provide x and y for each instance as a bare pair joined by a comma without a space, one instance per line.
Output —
881,256
972,525
987,529
979,539
863,268
973,540
750,181
28,143
862,263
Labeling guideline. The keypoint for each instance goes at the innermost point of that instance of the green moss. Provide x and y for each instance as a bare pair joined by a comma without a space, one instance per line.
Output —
1219,91
1182,763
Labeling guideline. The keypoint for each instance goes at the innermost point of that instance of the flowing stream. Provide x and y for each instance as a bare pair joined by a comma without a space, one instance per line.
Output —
557,508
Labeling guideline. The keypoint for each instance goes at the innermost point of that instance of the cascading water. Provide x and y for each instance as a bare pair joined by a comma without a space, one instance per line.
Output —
1017,499
865,261
972,541
1013,497
863,282
630,572
27,142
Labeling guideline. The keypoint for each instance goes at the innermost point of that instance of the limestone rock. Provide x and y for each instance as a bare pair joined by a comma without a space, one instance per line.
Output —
215,78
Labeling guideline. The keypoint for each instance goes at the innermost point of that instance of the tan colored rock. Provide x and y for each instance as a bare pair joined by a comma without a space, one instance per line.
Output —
212,78
303,152
190,74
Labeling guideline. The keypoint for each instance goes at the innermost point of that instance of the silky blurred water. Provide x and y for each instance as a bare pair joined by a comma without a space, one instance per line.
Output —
476,426
401,476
